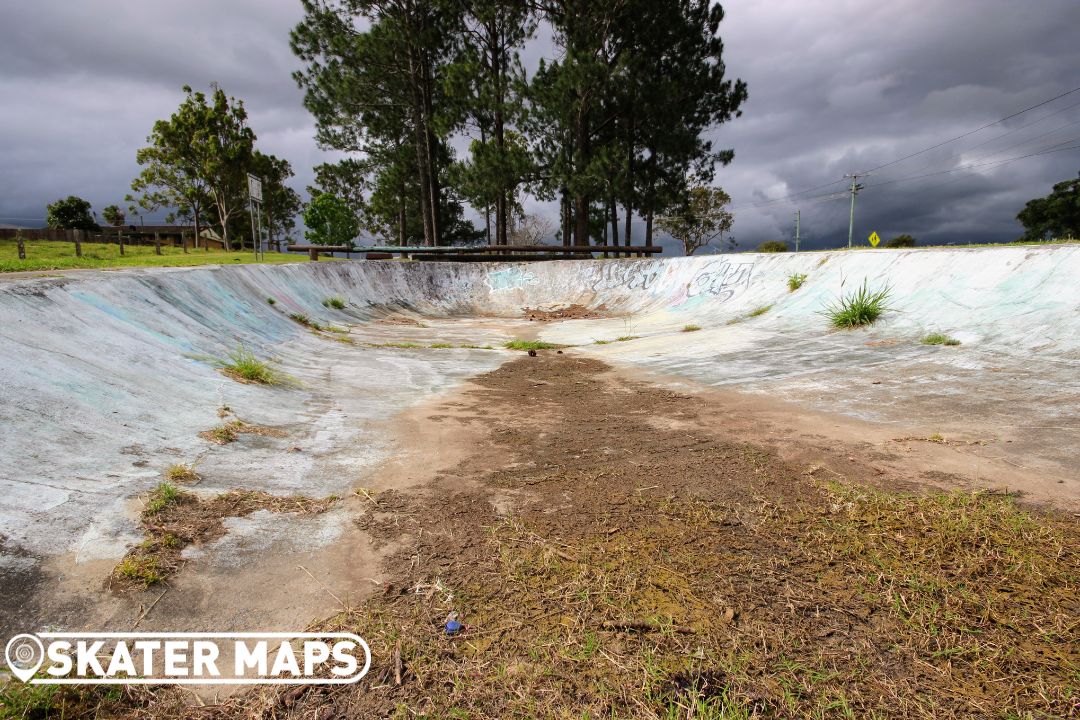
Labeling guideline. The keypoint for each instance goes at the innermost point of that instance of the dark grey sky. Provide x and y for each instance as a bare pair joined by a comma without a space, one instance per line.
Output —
835,86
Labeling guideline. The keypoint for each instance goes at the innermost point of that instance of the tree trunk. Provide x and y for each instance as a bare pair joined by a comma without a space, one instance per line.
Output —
120,239
614,218
648,227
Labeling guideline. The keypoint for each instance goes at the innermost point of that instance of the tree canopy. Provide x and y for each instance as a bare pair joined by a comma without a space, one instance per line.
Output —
330,221
700,220
70,213
1055,216
617,116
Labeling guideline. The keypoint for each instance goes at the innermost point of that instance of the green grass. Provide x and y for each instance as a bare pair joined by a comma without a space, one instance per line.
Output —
939,339
161,497
300,318
245,367
760,311
48,255
271,301
181,473
141,569
691,328
529,345
862,307
795,281
621,338
337,303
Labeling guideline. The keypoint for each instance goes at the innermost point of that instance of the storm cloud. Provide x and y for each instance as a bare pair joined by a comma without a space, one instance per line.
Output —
835,87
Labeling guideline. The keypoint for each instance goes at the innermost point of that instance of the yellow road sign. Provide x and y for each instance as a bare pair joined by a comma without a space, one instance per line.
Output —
874,239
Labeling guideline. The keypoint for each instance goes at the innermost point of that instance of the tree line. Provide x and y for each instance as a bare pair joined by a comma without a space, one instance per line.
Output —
611,125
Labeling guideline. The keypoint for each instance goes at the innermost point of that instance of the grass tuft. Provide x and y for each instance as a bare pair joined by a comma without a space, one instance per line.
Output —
691,328
161,497
529,345
182,473
300,318
760,311
141,569
939,339
245,367
271,301
337,303
862,307
795,281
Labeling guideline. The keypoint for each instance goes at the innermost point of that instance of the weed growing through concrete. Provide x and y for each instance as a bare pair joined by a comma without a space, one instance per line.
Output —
530,345
862,307
227,433
760,311
182,474
300,318
795,281
271,301
337,303
939,339
140,569
161,497
691,328
621,338
244,366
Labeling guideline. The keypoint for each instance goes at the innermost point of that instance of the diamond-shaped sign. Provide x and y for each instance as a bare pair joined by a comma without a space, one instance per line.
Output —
874,239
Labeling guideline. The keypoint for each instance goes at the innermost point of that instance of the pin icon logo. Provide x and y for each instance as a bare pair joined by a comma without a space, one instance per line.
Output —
24,654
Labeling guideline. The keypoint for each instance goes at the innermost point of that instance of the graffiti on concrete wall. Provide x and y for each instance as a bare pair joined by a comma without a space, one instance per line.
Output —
720,282
510,279
626,275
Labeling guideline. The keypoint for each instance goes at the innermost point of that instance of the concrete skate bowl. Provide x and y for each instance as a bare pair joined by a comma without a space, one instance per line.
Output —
109,377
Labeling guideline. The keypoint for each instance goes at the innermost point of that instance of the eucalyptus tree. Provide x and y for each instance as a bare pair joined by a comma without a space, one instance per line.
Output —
199,157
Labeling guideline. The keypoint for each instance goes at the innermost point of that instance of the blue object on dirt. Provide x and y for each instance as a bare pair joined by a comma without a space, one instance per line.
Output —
453,627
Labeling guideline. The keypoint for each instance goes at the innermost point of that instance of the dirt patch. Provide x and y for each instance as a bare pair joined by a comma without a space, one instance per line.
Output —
617,566
173,520
570,312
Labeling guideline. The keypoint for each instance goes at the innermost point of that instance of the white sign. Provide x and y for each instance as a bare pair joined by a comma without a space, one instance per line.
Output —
254,188
178,658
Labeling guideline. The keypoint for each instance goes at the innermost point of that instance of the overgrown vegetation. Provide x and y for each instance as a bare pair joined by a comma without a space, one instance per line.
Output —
184,519
530,345
939,339
795,281
773,246
161,497
863,307
244,366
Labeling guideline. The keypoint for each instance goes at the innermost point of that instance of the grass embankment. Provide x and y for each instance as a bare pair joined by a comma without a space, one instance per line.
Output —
48,255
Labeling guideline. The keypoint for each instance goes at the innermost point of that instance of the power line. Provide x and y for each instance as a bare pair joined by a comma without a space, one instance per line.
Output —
979,129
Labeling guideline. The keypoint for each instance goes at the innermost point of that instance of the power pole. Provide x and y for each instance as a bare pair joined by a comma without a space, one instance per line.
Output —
797,218
855,188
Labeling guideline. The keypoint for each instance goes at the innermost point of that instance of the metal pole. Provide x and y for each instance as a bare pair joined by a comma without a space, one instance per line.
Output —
254,239
797,218
851,218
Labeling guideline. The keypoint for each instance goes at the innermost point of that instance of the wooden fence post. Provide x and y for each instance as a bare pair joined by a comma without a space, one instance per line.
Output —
120,236
157,244
78,242
22,245
313,254
183,241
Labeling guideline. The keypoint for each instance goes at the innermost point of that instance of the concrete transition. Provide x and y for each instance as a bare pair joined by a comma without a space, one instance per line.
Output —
109,376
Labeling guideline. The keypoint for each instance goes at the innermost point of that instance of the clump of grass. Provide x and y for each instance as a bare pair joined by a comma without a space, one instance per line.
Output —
337,303
141,569
529,345
300,318
182,473
862,307
625,338
440,346
936,438
244,366
271,301
399,345
161,497
939,339
691,328
795,281
760,311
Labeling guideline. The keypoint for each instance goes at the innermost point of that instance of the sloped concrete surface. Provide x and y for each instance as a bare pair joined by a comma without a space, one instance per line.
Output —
109,376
